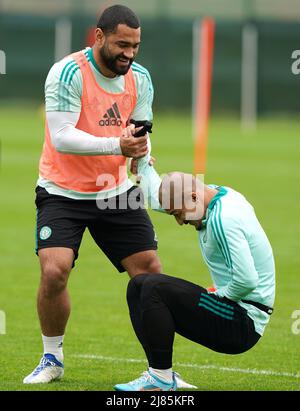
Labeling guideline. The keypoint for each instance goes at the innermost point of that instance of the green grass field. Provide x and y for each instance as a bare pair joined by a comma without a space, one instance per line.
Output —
264,166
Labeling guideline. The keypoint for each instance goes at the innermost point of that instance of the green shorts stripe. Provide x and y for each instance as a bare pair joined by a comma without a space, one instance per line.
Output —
207,307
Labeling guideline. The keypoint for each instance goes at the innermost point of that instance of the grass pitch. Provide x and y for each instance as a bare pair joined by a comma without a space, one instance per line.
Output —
99,340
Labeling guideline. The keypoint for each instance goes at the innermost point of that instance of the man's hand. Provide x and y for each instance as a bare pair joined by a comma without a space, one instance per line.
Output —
134,168
131,146
134,165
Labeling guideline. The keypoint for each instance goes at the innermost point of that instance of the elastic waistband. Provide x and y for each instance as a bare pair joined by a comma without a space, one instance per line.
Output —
262,307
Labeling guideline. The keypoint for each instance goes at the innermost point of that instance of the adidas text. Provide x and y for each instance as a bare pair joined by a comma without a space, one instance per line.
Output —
110,122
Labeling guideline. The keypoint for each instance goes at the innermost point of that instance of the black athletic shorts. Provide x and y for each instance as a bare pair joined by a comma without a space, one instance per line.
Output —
119,227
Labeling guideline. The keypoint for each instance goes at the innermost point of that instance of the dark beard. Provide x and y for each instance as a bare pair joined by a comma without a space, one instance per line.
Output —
112,61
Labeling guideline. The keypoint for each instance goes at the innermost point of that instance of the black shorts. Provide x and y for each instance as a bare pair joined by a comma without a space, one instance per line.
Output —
120,229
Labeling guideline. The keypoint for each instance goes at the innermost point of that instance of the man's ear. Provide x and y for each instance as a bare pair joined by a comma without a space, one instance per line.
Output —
100,37
194,196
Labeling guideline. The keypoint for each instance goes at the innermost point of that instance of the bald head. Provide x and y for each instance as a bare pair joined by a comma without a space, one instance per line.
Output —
182,194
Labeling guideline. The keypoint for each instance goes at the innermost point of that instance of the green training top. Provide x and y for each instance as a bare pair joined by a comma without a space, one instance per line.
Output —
238,253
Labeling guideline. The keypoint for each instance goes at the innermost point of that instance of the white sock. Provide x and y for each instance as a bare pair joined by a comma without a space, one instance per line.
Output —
54,346
164,375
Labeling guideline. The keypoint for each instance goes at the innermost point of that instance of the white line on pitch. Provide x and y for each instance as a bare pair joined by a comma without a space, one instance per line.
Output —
201,367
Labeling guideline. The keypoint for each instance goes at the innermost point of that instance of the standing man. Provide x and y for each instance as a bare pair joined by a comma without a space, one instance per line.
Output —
239,257
90,97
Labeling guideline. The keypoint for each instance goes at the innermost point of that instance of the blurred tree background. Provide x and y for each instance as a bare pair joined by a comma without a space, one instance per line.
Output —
29,31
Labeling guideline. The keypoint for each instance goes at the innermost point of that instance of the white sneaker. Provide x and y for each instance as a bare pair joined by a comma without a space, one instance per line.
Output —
181,383
49,369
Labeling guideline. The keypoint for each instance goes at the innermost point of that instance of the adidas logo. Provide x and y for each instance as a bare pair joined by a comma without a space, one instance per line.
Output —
112,117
